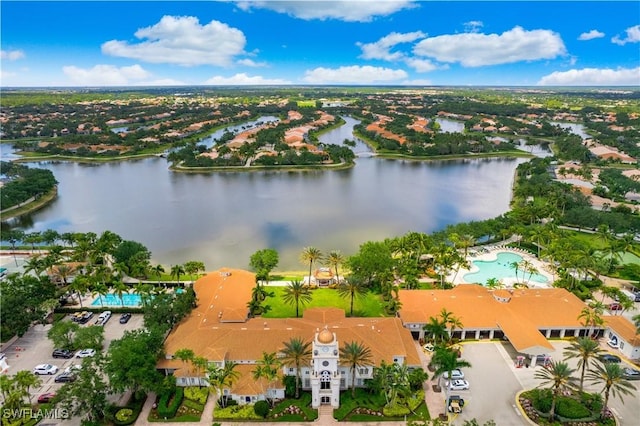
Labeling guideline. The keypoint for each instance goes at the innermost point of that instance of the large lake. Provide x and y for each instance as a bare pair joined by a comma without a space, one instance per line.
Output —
222,218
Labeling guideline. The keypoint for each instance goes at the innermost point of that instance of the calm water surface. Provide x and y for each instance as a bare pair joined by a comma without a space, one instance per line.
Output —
222,218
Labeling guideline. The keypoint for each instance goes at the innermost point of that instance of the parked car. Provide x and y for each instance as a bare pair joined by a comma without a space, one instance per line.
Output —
82,317
609,358
631,373
458,385
62,353
455,374
72,368
613,342
43,369
65,377
46,397
103,318
615,306
455,404
84,353
124,318
428,347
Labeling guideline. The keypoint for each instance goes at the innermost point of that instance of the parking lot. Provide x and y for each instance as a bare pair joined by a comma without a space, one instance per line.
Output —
35,348
494,381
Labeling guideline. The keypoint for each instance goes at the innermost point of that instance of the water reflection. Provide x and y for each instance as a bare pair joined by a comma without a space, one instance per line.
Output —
223,218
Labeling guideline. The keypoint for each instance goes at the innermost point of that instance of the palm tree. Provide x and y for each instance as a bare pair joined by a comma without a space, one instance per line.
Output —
436,329
80,285
449,319
310,255
354,355
560,377
585,350
296,353
100,289
515,266
25,379
185,355
334,259
296,293
176,271
267,368
352,288
158,270
221,378
590,316
36,264
610,375
493,283
7,385
120,288
445,360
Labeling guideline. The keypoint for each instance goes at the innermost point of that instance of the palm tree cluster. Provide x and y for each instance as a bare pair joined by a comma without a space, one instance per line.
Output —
15,389
561,378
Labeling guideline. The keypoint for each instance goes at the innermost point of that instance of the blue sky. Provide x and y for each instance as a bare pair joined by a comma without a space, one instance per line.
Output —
316,42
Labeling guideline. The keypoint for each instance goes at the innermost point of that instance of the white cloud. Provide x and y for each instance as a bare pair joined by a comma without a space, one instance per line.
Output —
633,36
353,75
381,48
473,26
11,55
105,75
345,10
475,50
182,40
593,77
243,79
591,35
251,63
423,65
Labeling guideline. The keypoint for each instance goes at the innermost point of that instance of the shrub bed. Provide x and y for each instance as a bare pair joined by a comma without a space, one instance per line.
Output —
194,393
236,412
169,403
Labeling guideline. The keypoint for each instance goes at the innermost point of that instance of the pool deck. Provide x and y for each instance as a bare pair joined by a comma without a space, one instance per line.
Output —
490,253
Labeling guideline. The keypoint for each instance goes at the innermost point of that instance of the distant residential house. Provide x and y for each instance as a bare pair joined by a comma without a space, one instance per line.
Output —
610,153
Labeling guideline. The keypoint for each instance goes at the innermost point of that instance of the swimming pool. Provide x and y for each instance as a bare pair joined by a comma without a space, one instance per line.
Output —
501,268
128,299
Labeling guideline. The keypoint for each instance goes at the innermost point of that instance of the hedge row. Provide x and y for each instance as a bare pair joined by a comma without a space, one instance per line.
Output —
169,403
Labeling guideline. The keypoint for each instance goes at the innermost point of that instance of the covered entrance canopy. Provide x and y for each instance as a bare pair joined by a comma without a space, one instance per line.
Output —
525,337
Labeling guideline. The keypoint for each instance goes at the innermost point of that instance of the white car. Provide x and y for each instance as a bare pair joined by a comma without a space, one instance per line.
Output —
455,374
45,369
72,369
85,353
428,347
103,318
458,385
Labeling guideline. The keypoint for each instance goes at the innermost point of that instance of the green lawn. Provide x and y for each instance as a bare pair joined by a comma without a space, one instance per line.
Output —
367,306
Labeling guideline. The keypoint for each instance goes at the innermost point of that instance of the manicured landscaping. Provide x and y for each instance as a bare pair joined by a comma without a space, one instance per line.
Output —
571,409
368,306
368,406
181,405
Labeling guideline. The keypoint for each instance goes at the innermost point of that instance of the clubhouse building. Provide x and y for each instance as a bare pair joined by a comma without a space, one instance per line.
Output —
220,330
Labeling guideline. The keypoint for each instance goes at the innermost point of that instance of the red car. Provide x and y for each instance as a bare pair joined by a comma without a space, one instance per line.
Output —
615,307
46,397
